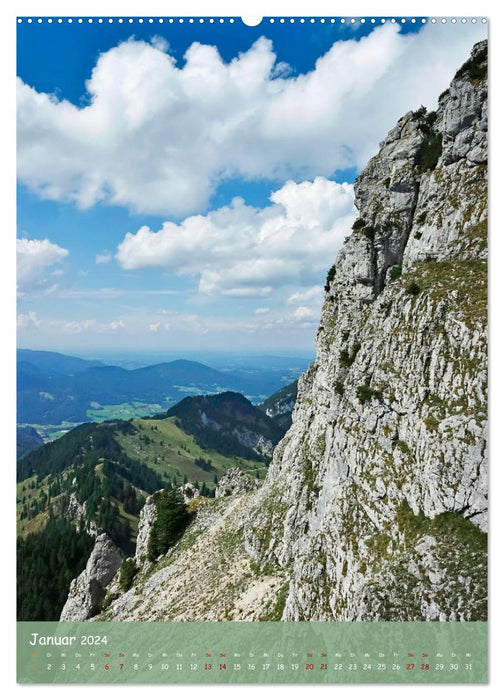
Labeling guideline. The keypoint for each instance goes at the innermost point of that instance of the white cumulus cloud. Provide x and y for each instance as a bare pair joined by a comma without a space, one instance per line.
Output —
313,294
103,258
27,320
78,326
239,250
158,137
35,258
303,313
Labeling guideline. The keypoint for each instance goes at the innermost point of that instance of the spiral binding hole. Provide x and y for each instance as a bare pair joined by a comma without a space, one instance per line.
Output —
252,21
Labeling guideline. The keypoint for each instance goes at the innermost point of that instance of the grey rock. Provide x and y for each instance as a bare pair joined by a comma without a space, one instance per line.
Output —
235,482
88,589
147,518
189,492
148,515
389,429
77,512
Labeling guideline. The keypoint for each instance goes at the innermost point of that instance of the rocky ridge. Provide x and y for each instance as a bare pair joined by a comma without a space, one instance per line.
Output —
375,503
235,482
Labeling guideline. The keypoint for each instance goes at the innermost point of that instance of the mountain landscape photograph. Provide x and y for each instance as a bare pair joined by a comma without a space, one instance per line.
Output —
252,322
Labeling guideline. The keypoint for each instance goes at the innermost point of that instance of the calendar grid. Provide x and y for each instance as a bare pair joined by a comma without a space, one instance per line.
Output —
252,652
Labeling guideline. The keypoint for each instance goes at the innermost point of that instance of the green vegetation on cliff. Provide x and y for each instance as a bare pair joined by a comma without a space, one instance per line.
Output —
172,517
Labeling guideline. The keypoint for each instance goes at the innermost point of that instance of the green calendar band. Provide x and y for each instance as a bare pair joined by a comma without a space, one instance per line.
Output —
252,652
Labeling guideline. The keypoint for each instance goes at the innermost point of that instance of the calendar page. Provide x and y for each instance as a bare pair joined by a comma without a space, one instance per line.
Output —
252,349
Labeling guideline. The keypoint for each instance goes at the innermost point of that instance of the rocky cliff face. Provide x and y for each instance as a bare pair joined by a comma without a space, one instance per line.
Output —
375,504
88,589
148,515
235,482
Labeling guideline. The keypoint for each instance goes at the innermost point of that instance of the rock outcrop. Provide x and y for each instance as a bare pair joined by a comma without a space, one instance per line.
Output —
147,518
189,492
88,589
375,503
76,511
235,482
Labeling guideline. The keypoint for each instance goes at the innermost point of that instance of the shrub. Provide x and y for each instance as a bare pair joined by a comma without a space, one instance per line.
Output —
369,232
413,289
344,358
347,358
358,224
395,271
107,601
473,68
401,445
127,573
430,152
419,113
330,277
339,388
365,393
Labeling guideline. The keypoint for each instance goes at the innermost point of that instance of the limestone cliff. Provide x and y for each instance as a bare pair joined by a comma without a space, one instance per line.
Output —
88,589
375,503
235,482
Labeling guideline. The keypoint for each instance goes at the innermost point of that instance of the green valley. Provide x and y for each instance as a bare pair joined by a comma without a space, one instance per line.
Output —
123,411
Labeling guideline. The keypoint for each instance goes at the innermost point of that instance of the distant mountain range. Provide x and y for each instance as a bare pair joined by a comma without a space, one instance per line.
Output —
55,361
53,388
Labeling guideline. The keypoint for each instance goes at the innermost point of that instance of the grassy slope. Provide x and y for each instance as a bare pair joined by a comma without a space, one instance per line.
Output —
163,447
29,525
171,452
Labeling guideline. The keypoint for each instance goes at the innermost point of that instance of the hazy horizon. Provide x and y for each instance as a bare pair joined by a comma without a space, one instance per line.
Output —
216,359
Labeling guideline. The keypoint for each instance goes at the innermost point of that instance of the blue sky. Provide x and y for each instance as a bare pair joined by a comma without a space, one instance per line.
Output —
186,186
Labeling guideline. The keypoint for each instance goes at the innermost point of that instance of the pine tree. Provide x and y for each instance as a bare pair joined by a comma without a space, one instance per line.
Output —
172,517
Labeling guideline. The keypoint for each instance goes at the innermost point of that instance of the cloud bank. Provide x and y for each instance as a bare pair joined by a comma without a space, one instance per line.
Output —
159,138
239,250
